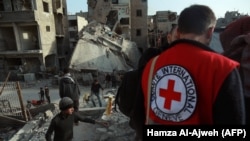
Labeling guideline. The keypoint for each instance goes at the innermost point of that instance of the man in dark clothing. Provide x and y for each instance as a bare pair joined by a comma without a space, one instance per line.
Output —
189,66
240,26
68,87
136,119
95,89
236,44
171,36
46,90
108,80
127,94
62,123
113,79
41,94
240,52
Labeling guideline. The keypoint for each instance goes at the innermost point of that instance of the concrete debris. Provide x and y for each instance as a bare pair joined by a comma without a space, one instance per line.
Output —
7,132
37,126
48,114
35,129
101,49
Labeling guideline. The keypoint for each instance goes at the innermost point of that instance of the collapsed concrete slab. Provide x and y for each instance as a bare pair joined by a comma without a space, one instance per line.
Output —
101,49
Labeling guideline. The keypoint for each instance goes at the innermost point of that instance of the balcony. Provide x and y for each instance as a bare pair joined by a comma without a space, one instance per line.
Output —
19,16
14,54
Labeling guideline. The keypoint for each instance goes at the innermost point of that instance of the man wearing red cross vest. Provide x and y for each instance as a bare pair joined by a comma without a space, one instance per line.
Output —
191,84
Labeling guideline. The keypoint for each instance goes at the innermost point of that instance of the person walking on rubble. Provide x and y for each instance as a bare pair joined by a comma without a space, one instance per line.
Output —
62,124
46,90
68,87
187,73
95,90
107,80
113,79
41,94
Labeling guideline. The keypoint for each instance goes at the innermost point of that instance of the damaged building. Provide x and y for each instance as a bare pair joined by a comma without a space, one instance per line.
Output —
101,50
127,18
33,37
76,23
159,25
113,40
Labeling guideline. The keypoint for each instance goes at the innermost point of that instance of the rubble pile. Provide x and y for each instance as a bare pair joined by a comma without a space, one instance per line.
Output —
118,129
40,117
98,48
35,129
7,132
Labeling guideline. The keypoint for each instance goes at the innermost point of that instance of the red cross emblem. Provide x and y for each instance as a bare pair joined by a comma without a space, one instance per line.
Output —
169,94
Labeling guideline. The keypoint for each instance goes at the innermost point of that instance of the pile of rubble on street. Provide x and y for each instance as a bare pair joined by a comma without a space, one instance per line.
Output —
35,128
118,128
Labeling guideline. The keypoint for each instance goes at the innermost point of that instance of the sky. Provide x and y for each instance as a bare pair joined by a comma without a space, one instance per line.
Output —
220,7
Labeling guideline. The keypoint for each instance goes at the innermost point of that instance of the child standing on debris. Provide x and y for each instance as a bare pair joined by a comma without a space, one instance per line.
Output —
41,94
62,123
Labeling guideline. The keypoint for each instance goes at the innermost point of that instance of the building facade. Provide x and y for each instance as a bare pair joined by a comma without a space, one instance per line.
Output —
159,25
138,23
76,24
230,16
127,18
33,36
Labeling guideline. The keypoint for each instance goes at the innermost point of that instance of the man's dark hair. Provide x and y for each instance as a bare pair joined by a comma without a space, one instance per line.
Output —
196,19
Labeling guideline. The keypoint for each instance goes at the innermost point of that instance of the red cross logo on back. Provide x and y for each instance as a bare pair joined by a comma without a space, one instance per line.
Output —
169,94
174,94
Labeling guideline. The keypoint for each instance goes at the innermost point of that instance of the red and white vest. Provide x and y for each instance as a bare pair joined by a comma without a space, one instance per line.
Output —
185,83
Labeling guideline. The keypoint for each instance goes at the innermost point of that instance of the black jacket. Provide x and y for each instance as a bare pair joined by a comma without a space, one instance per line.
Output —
68,88
62,126
95,87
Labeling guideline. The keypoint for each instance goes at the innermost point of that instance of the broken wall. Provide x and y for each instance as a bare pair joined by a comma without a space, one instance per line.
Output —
98,10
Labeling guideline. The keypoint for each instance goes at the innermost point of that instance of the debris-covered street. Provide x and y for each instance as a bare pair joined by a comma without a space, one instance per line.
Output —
36,128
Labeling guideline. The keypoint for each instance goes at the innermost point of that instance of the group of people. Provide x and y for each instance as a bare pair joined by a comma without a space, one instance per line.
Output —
188,83
44,92
62,124
68,87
